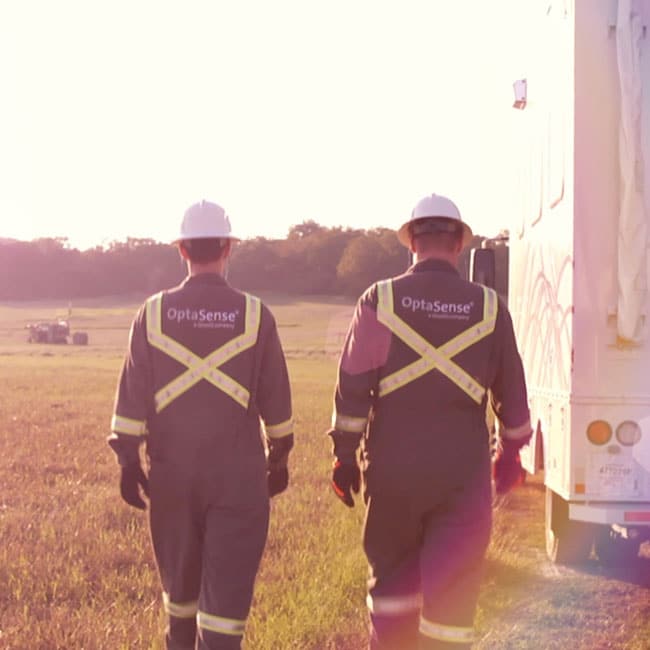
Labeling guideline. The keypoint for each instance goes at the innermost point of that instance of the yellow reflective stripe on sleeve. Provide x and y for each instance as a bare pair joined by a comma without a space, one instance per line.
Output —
430,356
279,430
448,633
393,605
202,368
120,424
219,624
180,610
348,423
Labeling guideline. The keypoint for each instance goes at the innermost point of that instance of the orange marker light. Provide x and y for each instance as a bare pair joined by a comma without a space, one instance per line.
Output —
599,432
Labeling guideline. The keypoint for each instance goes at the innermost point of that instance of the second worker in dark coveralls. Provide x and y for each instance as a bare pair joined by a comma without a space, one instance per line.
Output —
422,351
203,368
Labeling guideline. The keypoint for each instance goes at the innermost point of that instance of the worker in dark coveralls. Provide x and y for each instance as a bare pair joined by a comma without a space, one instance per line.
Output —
423,352
205,384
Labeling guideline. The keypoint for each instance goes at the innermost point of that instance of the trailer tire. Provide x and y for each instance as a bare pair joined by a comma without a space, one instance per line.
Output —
567,541
614,550
80,338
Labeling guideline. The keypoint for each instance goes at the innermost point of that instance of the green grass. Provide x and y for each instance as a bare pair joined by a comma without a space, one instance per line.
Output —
77,571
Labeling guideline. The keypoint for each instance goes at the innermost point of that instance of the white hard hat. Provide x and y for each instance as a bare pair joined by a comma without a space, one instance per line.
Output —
205,220
433,206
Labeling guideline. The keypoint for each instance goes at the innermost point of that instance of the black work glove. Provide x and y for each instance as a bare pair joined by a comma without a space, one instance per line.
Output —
277,476
506,470
131,480
278,480
346,478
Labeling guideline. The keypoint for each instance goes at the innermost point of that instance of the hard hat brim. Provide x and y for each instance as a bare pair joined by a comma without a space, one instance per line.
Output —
181,238
404,236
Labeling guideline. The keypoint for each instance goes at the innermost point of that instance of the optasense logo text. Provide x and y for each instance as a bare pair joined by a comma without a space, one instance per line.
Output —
203,317
438,308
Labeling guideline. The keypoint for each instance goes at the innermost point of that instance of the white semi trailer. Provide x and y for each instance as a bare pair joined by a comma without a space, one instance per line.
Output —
579,270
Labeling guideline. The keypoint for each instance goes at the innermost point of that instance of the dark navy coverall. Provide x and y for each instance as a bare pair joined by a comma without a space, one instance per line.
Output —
421,354
204,368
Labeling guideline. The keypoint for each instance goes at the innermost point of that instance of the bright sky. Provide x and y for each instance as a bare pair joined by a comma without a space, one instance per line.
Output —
118,114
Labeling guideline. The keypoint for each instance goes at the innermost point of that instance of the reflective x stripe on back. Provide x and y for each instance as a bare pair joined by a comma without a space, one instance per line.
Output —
431,357
202,367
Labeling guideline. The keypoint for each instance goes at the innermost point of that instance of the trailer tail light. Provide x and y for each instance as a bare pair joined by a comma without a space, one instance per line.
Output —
628,433
599,432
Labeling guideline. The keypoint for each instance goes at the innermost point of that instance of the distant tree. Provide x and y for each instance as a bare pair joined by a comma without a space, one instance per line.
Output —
305,229
360,264
311,259
256,264
50,268
396,258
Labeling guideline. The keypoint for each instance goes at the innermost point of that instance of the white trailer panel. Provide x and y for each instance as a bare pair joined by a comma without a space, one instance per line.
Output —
579,259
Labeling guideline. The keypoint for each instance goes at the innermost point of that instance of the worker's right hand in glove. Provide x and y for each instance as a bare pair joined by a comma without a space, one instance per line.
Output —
131,480
346,478
506,470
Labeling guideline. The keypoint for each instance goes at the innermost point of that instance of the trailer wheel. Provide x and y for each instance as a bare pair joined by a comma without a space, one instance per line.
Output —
80,338
614,550
567,541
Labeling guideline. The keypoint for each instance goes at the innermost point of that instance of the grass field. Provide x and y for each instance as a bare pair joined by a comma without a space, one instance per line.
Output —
76,570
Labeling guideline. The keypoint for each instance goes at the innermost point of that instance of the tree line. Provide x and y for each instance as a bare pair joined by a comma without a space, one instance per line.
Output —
312,259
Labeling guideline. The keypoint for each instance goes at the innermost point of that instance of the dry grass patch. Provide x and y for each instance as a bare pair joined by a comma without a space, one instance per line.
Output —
77,570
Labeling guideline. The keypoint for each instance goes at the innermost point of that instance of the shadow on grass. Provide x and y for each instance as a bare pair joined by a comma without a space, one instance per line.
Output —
553,607
635,572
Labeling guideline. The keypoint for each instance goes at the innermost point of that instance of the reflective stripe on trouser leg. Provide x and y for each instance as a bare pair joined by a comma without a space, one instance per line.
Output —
181,630
234,543
178,550
180,610
452,558
220,625
394,621
394,586
447,634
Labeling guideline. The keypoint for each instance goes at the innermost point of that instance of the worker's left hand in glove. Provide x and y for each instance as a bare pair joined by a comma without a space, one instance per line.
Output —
278,480
346,478
506,470
131,480
278,457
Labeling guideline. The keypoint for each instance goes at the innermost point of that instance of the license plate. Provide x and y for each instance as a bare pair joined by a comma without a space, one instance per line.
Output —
610,478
